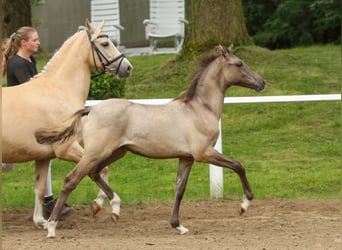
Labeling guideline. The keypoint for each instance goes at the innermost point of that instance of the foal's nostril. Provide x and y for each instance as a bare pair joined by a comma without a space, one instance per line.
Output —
262,83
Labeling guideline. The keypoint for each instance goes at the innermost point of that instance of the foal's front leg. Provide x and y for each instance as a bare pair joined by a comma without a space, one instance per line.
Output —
214,157
182,179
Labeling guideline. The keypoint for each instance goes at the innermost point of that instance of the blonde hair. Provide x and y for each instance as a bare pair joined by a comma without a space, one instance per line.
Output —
11,45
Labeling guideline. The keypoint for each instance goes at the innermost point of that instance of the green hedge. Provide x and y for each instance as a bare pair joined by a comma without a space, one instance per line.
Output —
106,86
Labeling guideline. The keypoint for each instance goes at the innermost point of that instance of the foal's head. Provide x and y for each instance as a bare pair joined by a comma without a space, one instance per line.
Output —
236,72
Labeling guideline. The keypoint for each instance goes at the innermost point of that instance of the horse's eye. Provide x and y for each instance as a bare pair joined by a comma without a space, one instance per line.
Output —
239,64
105,44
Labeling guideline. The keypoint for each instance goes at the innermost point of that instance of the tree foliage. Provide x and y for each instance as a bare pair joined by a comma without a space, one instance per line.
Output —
15,14
287,23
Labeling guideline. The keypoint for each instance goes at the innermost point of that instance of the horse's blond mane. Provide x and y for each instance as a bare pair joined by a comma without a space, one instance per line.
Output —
204,62
55,55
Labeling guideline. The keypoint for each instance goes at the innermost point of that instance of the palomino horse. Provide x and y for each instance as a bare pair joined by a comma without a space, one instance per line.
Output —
55,94
185,128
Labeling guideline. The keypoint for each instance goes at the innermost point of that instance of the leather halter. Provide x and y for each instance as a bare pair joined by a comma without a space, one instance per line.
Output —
104,61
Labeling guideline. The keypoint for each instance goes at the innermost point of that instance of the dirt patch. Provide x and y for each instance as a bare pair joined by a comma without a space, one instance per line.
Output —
213,224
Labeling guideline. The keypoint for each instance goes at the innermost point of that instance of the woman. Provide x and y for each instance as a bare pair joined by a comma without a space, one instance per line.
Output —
19,64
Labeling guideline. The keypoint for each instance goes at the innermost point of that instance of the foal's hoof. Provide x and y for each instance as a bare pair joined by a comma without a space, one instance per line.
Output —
115,217
245,204
182,230
241,211
94,208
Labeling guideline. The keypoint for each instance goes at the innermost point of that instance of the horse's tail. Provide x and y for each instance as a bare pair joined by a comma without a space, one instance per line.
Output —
62,132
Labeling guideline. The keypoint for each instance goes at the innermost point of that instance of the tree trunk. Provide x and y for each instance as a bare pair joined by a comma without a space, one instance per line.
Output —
213,22
15,13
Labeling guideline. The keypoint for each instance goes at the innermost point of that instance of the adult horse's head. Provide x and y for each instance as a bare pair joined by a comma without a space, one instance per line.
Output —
236,72
105,56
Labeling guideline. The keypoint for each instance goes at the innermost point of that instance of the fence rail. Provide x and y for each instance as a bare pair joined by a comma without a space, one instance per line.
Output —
249,99
216,173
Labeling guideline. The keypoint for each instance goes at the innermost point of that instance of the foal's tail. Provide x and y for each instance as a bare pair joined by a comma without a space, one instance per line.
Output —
62,132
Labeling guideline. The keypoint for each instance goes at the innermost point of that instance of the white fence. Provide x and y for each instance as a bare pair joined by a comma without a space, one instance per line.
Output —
216,173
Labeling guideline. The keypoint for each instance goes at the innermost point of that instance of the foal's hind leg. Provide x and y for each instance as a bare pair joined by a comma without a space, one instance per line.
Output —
85,166
105,190
97,204
182,179
73,152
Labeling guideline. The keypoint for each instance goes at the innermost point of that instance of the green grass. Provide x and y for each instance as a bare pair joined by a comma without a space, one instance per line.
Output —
290,150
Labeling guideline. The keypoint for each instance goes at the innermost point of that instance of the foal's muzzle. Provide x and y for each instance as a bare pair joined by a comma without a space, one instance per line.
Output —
260,85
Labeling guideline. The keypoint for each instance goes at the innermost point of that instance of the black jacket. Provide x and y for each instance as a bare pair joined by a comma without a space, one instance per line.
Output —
20,70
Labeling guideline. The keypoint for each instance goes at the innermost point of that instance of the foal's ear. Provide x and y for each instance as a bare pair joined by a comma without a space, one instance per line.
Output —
230,48
223,51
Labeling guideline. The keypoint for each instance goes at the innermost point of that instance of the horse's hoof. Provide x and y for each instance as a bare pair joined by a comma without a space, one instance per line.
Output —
41,224
94,208
45,225
115,217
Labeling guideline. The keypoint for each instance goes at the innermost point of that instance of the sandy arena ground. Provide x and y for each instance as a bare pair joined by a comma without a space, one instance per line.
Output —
213,224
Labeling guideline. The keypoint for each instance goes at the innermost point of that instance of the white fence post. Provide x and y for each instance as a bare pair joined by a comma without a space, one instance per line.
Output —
215,172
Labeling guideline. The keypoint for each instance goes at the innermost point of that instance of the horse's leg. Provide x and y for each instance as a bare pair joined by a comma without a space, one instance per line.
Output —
213,157
42,167
97,204
182,178
105,190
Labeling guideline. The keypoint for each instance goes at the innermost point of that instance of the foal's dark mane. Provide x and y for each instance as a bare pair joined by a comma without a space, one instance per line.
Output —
204,62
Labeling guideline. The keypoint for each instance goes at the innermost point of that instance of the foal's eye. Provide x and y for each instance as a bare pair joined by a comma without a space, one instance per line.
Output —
239,64
105,44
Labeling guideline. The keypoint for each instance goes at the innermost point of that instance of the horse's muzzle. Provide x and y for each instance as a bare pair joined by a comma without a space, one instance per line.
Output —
126,69
123,69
